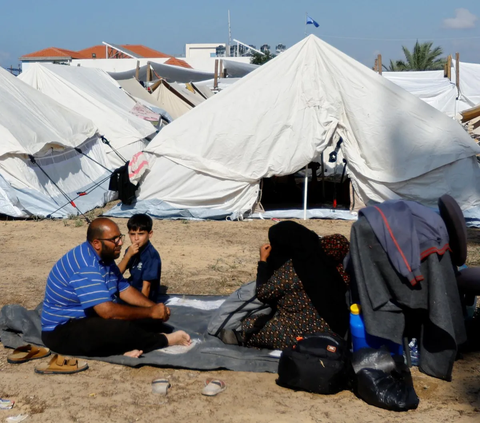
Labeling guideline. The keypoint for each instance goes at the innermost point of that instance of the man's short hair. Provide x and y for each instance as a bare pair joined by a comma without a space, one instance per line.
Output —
140,222
96,229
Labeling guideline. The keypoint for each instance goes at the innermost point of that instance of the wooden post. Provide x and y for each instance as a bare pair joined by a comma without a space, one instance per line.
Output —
448,68
323,177
375,65
220,69
149,74
137,70
379,63
215,75
457,71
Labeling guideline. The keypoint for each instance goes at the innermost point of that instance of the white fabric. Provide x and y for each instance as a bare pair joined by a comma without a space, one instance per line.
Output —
32,124
440,93
284,114
95,95
469,85
193,98
170,102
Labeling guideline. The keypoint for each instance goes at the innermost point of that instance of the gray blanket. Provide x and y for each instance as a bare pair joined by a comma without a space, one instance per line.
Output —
19,326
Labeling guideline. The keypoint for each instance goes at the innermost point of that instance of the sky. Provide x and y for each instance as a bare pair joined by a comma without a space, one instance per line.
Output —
360,28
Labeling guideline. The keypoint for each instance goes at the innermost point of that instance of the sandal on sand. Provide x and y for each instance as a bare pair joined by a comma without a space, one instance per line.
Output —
27,353
60,365
213,387
160,386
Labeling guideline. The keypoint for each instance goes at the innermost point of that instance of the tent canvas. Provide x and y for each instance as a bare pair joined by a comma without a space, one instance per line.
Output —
168,98
39,137
96,96
283,115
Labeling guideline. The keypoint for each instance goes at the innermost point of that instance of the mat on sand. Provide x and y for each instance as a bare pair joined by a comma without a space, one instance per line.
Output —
20,326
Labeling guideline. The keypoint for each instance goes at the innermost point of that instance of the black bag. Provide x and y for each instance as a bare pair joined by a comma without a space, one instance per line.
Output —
317,363
120,182
388,387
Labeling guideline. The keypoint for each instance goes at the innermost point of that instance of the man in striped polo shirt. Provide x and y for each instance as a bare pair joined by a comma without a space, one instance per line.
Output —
80,313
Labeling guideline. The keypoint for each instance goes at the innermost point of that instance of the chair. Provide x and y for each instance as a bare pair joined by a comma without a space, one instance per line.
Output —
468,279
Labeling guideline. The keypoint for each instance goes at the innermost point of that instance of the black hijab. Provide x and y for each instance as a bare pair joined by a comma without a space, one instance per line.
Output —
321,280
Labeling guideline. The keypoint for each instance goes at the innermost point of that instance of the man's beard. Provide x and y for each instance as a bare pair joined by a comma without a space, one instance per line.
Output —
108,254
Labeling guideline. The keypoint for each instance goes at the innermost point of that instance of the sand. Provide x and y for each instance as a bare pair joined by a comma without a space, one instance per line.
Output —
198,258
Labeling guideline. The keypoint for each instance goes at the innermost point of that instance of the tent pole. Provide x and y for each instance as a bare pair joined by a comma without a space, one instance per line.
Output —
305,192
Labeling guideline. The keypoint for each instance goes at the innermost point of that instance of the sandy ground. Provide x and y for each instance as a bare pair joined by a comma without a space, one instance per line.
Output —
198,258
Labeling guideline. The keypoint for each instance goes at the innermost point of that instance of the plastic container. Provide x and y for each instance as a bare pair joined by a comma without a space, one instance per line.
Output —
360,337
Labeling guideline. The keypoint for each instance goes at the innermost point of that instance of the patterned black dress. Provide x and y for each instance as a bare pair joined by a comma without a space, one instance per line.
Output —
295,315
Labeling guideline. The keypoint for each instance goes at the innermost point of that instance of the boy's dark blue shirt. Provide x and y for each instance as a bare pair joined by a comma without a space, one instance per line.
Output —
146,265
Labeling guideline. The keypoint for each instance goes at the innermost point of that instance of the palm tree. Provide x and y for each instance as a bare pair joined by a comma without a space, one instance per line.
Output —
259,59
396,66
423,58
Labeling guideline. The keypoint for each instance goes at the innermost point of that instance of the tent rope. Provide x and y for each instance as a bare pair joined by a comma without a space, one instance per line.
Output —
83,193
105,141
92,159
70,201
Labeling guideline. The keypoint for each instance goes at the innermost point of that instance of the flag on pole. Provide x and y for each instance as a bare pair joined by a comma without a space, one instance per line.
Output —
310,21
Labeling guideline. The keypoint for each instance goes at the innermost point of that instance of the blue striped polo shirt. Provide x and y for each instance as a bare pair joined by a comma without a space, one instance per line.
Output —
77,282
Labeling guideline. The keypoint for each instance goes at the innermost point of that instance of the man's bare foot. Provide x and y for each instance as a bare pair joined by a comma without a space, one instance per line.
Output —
134,353
178,338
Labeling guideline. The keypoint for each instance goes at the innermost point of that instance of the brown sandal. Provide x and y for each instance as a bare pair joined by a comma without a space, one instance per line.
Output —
26,353
60,365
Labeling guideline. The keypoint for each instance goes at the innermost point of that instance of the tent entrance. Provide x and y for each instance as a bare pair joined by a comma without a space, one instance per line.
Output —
288,192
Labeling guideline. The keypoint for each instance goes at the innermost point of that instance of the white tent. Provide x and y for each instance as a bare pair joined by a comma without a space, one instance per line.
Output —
95,95
169,99
40,168
283,115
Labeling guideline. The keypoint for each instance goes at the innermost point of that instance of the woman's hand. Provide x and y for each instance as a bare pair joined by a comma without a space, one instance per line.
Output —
265,250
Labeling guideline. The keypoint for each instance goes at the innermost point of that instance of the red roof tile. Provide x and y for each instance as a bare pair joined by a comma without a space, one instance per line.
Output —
54,52
145,51
177,62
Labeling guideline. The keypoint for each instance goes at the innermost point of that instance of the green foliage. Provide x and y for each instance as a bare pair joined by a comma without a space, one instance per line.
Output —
258,59
422,58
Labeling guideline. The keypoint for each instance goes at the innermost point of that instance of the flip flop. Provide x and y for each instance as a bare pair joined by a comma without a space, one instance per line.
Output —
160,386
213,387
26,353
60,365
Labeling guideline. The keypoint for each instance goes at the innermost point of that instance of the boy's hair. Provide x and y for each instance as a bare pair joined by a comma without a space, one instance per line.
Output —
140,222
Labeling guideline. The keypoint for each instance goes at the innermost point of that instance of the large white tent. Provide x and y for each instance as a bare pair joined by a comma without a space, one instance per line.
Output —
41,169
95,95
283,115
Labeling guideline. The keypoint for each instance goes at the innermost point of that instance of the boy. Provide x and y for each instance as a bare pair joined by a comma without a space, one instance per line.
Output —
141,258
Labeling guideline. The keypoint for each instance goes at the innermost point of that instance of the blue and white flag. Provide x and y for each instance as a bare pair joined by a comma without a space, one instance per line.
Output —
312,22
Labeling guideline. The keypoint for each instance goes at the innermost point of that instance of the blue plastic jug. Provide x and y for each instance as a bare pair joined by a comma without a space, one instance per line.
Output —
360,337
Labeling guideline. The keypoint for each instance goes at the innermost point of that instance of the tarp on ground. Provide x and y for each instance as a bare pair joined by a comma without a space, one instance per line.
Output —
38,138
19,326
96,96
280,117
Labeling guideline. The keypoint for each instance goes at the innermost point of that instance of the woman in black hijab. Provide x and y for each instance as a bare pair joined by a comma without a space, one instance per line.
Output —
301,277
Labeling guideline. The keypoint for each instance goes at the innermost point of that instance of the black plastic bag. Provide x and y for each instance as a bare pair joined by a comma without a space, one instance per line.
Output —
392,390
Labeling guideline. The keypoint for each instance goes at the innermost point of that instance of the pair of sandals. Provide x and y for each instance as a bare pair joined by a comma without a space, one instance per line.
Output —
58,365
212,387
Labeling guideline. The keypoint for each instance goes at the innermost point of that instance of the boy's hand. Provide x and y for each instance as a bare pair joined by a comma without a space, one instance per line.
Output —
133,249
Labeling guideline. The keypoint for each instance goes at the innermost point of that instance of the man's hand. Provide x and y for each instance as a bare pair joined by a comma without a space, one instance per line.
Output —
160,312
265,250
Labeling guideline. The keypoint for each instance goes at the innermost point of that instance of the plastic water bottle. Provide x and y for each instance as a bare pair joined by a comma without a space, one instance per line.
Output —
360,337
357,328
414,353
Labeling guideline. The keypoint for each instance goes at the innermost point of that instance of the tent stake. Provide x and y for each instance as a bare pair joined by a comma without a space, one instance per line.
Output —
305,192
